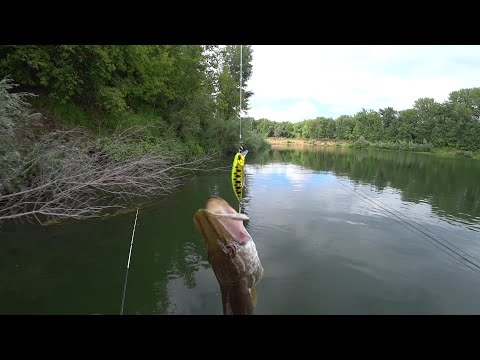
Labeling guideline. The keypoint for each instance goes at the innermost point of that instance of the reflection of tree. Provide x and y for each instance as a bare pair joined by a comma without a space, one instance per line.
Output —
450,186
186,262
160,292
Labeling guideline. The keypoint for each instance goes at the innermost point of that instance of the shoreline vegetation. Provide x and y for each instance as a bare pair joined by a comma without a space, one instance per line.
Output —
90,131
280,142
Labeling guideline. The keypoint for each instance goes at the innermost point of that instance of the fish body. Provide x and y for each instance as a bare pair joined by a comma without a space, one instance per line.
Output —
232,254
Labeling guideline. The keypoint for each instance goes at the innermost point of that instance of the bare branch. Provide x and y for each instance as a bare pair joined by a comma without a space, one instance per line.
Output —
74,177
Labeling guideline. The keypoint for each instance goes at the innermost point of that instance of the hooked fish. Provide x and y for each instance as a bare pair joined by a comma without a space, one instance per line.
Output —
232,255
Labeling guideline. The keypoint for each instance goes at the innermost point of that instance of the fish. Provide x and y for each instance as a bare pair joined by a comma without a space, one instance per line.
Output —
232,254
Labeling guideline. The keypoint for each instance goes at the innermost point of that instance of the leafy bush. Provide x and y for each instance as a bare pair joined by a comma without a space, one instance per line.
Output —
464,154
254,141
361,143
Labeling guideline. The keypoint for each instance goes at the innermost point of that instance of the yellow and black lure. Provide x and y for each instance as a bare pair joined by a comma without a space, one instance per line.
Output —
238,174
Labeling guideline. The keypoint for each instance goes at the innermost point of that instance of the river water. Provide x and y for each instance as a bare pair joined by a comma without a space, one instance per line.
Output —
338,231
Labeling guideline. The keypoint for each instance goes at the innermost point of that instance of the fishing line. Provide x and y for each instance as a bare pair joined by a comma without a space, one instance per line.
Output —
128,263
403,222
240,116
436,240
241,80
413,221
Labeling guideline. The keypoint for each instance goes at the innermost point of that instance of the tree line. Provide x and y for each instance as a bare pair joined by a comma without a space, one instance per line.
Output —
454,123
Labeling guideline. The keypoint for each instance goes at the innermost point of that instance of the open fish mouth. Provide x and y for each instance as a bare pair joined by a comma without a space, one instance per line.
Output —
220,225
230,248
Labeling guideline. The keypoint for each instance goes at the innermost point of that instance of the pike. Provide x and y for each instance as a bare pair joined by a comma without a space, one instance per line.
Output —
232,255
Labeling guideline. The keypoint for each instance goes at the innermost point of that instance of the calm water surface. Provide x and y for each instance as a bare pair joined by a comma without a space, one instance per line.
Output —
338,232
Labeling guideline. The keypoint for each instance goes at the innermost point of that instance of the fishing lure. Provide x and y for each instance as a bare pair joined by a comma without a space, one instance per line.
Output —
238,177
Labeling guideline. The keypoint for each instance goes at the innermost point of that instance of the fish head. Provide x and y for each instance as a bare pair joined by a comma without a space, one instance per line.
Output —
230,248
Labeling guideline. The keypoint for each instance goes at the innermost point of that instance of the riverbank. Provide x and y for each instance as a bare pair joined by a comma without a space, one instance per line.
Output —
64,161
453,153
302,142
442,152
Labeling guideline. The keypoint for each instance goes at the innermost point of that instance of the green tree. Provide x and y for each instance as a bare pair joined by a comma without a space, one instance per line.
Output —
427,116
231,54
390,123
470,97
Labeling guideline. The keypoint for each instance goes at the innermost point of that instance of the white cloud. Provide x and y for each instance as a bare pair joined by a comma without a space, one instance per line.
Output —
335,80
297,111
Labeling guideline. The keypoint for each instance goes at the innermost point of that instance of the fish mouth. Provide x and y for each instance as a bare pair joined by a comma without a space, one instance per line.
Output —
220,225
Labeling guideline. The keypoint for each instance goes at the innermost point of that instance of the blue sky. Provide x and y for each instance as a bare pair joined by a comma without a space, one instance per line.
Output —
297,82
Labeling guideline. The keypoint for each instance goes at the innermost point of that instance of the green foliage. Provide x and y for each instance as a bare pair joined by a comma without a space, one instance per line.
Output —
469,97
193,148
403,145
464,154
112,100
361,142
255,142
70,114
121,151
231,56
184,92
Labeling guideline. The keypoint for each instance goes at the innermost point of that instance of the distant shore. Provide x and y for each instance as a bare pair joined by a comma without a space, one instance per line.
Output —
442,152
285,141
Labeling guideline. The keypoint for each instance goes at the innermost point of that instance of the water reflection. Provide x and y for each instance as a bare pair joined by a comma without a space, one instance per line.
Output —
450,186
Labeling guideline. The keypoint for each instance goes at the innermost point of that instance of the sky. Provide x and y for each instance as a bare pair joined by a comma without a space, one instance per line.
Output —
298,82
